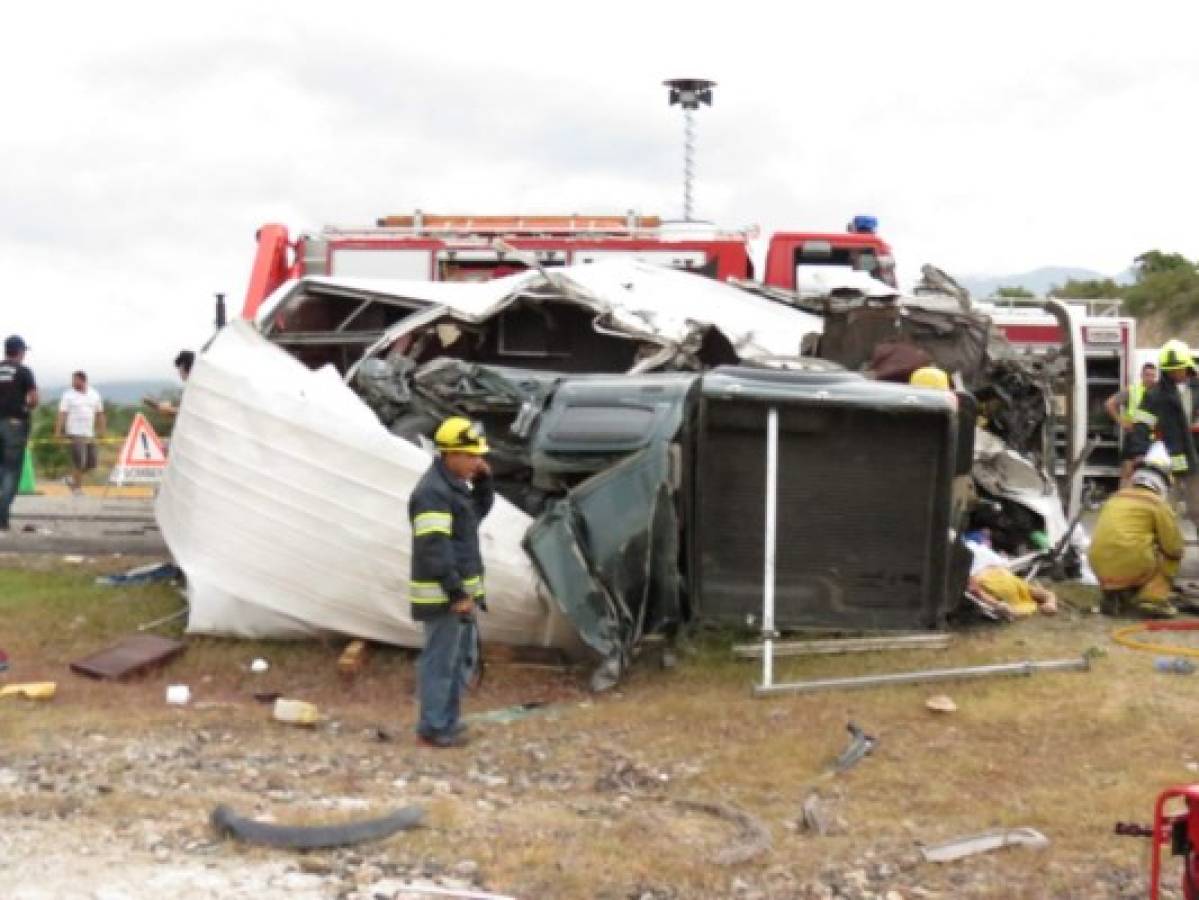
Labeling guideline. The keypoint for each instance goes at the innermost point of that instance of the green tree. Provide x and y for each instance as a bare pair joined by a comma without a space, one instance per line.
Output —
1015,293
1088,289
1154,262
1167,283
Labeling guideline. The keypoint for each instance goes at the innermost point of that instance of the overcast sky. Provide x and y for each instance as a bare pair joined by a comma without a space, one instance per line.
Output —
142,144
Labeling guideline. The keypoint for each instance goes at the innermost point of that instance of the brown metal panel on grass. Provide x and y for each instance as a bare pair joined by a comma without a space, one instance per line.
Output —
131,656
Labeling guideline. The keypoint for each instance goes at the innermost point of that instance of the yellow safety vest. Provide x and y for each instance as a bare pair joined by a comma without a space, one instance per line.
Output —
1136,394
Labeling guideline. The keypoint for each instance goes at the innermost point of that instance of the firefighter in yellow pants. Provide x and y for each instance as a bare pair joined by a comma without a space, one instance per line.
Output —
1137,544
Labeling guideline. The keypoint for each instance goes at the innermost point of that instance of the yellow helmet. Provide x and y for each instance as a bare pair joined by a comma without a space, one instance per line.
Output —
459,435
930,377
1175,355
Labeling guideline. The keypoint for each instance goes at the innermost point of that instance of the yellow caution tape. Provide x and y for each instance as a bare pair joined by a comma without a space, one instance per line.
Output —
42,441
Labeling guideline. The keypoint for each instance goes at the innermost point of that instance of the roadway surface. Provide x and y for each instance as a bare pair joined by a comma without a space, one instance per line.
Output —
94,524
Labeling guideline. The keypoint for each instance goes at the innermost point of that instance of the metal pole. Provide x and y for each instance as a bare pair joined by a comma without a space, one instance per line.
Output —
930,641
688,160
772,481
1081,664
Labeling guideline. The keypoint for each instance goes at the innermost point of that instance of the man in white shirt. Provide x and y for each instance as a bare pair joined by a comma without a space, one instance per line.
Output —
81,419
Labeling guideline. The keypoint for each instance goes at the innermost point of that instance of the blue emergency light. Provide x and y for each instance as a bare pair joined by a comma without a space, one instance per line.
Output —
864,225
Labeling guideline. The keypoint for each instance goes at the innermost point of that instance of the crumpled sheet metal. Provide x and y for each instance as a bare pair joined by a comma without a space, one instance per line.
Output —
285,503
985,842
637,299
1005,473
608,552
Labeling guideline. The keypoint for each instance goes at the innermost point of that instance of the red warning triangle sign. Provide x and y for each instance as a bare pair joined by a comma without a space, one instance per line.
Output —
142,447
143,456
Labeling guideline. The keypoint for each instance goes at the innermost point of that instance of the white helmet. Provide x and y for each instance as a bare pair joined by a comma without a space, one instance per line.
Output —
1152,479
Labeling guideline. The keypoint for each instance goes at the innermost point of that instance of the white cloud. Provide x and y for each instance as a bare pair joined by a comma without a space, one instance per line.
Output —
144,143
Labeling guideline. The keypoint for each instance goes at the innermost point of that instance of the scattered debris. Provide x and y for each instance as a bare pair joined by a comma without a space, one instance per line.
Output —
259,665
1028,667
267,696
408,890
3,661
814,817
296,712
146,574
626,777
931,641
754,836
860,746
72,559
961,848
293,837
1175,664
352,659
1133,829
33,690
178,694
508,714
132,655
941,703
178,614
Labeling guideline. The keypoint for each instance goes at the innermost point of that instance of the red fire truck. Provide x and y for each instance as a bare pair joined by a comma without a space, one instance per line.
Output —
476,248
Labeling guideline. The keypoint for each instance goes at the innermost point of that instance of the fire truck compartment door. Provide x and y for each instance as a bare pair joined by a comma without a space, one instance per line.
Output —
679,259
353,262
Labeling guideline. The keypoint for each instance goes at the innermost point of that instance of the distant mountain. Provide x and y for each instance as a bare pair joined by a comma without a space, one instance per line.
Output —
122,393
1039,281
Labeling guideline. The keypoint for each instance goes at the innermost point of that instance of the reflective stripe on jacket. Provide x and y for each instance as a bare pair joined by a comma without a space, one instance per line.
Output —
447,561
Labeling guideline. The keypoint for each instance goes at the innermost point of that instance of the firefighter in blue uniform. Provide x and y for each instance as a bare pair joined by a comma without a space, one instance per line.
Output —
446,589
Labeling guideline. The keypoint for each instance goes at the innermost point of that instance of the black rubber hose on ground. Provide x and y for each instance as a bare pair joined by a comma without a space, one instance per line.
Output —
314,837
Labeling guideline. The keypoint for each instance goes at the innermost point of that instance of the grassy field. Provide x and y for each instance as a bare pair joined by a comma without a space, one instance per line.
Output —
1069,754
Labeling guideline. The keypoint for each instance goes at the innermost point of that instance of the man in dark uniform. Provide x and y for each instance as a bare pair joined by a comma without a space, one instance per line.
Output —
1168,410
446,508
18,396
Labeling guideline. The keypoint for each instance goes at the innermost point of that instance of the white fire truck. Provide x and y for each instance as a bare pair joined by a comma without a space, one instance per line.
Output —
1109,345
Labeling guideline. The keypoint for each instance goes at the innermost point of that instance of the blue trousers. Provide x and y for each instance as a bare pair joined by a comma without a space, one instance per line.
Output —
13,437
445,666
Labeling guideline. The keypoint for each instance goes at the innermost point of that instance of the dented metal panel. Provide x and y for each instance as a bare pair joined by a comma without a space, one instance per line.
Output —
856,459
608,552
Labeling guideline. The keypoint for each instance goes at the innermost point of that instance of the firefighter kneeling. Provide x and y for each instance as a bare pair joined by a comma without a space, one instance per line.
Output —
1137,544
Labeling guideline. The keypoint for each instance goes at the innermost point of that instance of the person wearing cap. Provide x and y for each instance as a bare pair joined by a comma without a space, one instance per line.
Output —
1167,411
80,418
1137,545
18,397
446,587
